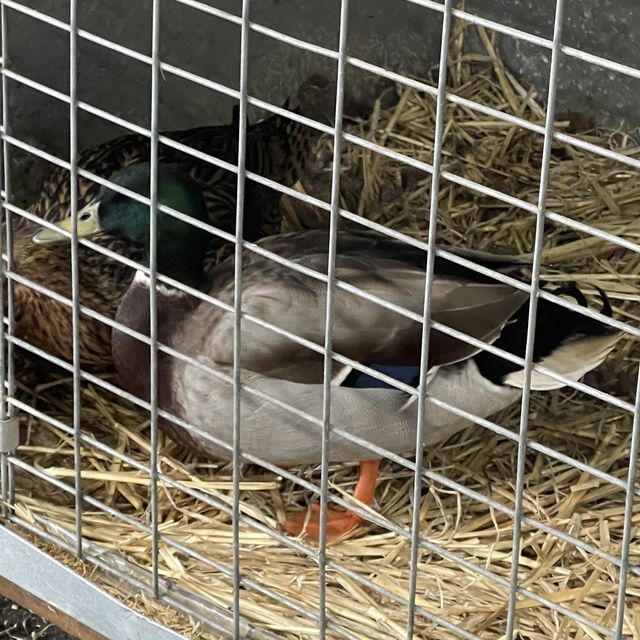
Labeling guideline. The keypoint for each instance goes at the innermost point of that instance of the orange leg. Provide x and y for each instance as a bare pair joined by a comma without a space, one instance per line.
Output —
338,522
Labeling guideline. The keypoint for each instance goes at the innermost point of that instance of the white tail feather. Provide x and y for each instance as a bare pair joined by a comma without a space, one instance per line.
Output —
572,360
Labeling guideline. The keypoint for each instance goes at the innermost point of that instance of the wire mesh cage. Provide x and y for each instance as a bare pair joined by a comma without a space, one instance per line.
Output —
314,186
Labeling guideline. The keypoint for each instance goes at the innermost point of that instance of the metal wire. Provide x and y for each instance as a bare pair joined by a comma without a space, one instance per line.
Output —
323,426
504,29
555,217
626,406
6,351
483,422
479,188
336,566
426,313
237,311
418,318
376,450
4,224
471,18
331,54
313,421
153,295
532,317
328,320
90,500
140,585
628,512
308,486
366,66
249,583
132,522
75,274
376,588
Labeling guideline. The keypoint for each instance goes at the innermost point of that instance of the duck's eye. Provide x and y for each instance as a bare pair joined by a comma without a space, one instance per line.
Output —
85,216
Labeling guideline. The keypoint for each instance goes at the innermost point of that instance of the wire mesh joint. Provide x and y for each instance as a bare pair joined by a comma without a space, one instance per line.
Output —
9,434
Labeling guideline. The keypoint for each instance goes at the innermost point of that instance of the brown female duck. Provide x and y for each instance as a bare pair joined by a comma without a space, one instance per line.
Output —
277,148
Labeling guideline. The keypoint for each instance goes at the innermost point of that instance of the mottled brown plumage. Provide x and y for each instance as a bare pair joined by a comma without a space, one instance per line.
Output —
277,148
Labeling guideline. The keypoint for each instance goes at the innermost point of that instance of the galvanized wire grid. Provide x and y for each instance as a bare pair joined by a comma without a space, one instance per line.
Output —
9,404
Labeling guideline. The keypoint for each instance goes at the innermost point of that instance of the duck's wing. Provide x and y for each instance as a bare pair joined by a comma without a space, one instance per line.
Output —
291,373
363,330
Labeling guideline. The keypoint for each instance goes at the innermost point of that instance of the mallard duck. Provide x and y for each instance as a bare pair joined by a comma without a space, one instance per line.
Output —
277,148
474,380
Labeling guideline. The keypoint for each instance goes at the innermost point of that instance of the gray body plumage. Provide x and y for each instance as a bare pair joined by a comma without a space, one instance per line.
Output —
384,417
292,373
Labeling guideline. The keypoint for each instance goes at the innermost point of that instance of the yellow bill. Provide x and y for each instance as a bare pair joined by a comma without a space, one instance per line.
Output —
88,225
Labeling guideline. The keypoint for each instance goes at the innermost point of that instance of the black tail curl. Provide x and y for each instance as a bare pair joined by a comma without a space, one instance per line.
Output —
555,325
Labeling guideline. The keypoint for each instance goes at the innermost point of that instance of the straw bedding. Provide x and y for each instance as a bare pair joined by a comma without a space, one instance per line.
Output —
583,186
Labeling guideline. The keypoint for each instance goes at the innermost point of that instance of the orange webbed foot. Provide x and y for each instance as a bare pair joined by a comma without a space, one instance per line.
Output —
339,523
307,523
